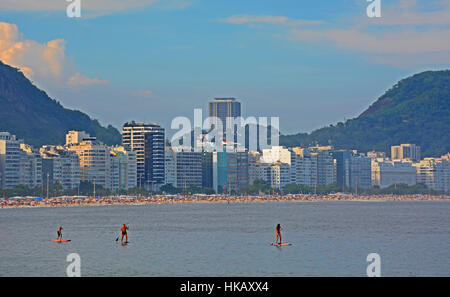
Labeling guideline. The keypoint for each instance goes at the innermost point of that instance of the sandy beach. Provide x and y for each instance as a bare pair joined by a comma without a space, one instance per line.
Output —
68,201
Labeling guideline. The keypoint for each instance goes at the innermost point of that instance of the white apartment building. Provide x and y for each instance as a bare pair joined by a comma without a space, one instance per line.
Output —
123,168
276,154
75,137
30,167
95,162
386,173
304,167
60,165
434,173
405,151
280,175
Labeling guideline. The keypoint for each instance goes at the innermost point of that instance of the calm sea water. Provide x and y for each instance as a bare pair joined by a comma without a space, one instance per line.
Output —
329,239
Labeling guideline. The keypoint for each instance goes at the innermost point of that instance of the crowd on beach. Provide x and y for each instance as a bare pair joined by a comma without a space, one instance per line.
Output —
199,198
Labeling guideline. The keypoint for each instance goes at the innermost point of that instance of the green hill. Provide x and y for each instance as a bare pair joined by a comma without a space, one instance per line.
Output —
29,113
416,110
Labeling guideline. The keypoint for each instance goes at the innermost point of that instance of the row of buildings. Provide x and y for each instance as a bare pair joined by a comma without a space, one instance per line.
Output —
144,160
83,158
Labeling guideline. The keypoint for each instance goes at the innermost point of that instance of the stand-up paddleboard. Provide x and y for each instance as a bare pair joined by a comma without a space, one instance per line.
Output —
61,240
277,244
125,242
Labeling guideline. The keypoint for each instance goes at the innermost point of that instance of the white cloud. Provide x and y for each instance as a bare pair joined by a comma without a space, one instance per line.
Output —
402,37
46,64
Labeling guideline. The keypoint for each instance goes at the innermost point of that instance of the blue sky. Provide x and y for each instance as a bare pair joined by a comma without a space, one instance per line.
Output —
312,63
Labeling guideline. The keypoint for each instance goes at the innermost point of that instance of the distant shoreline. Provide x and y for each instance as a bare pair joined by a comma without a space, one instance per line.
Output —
153,200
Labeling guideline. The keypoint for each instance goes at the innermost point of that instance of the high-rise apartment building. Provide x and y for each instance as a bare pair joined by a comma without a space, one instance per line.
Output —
361,172
123,168
225,110
304,167
30,167
405,152
95,162
184,169
10,156
230,171
188,166
434,173
60,165
343,167
386,173
147,140
276,154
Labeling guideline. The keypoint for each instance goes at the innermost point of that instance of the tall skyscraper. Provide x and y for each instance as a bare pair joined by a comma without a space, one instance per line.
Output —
343,168
147,140
225,109
361,172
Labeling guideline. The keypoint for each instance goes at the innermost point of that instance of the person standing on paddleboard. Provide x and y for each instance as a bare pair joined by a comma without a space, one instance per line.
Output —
278,233
59,232
124,233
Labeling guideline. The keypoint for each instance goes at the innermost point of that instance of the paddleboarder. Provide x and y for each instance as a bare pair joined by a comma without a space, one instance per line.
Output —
59,232
278,233
124,233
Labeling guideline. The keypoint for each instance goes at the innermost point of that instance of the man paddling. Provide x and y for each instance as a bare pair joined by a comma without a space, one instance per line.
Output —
124,233
278,233
59,232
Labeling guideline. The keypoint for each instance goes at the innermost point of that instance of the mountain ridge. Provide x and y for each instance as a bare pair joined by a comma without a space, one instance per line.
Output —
30,114
415,110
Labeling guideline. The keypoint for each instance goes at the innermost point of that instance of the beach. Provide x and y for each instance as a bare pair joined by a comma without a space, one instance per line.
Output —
68,201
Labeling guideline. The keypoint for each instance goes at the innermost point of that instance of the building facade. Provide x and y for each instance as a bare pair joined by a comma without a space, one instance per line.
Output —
434,173
147,140
230,171
361,172
386,173
10,155
60,165
123,168
30,167
405,152
95,162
